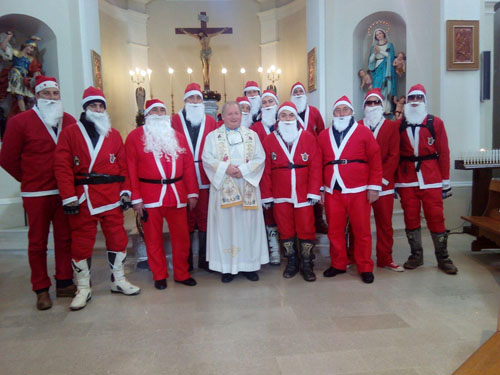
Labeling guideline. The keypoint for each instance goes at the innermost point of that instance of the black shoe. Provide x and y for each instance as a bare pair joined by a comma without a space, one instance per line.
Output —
227,277
332,271
161,284
188,282
252,276
367,277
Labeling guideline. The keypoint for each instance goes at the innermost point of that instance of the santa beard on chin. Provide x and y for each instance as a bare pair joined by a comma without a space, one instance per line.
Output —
373,115
300,102
195,113
269,115
255,107
341,123
246,119
160,138
415,113
288,130
51,110
101,121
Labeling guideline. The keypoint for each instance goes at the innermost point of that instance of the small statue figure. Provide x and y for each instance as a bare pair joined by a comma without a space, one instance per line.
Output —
400,64
366,80
400,107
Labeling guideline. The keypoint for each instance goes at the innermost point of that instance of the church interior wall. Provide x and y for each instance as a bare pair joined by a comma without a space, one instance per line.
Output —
496,85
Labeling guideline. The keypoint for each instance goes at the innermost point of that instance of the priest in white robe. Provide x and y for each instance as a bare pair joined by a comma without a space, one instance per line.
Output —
233,159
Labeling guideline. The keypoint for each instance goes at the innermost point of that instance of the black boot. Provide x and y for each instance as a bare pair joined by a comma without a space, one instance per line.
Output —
441,248
306,260
416,258
202,252
292,265
190,257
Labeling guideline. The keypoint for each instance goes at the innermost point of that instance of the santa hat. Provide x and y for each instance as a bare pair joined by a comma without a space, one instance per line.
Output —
251,85
152,103
192,89
243,100
271,94
374,92
343,100
43,82
418,89
92,94
295,85
289,106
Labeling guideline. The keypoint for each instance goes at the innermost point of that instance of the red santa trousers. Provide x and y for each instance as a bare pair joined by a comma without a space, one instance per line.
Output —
338,207
269,219
295,221
198,216
41,211
382,210
179,238
84,230
413,198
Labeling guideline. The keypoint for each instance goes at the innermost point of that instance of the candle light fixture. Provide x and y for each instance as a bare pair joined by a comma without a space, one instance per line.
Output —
171,73
224,72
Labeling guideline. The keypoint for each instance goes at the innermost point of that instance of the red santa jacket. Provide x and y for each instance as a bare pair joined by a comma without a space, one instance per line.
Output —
387,136
207,125
27,152
280,182
358,144
433,173
145,165
76,155
261,130
313,122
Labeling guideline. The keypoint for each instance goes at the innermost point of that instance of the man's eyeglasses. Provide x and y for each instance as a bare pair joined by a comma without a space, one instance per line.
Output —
415,97
373,102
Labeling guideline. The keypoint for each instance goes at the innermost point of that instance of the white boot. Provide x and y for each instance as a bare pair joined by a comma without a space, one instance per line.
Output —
82,280
274,246
119,284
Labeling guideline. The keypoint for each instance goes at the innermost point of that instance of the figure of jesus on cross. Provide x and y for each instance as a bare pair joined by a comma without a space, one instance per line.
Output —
204,34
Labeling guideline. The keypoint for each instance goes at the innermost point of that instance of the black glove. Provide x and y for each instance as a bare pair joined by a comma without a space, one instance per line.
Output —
312,201
267,206
144,216
396,195
125,202
71,209
446,193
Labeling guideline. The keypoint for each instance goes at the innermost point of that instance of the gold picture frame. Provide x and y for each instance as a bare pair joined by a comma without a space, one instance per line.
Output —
311,70
462,45
96,69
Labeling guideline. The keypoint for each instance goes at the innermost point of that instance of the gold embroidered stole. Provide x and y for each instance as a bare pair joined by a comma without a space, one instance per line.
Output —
231,196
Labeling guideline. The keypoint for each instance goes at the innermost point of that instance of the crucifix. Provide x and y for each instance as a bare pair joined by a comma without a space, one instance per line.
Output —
204,34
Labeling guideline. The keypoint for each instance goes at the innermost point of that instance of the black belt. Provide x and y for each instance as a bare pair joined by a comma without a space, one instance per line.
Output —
420,159
97,179
345,161
291,166
162,181
198,161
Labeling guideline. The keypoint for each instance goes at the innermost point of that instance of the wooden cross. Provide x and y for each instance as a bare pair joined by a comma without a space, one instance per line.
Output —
203,27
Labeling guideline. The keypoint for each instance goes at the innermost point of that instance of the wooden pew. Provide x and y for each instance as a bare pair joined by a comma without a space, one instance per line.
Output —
488,223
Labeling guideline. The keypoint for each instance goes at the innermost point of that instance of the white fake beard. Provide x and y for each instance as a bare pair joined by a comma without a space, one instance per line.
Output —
269,115
415,115
288,130
341,123
195,113
255,107
101,121
246,119
300,102
159,137
373,115
51,111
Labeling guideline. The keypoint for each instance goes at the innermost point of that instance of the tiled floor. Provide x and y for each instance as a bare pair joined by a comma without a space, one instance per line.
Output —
420,322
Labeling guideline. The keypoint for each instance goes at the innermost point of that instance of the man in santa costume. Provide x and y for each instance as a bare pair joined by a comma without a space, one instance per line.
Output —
246,108
386,132
163,181
311,120
252,92
352,178
91,171
194,124
263,128
423,178
27,154
291,183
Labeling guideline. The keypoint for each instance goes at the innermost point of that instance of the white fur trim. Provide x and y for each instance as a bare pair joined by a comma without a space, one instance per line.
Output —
46,85
271,95
298,85
245,102
288,108
251,88
193,92
343,102
90,98
378,96
153,106
418,92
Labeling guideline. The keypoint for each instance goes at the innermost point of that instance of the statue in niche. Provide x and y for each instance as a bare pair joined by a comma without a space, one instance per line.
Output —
20,77
380,65
366,80
400,64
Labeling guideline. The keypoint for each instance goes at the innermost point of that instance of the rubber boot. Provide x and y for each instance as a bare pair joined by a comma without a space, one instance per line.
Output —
82,278
441,249
202,251
119,284
307,260
274,246
416,258
292,265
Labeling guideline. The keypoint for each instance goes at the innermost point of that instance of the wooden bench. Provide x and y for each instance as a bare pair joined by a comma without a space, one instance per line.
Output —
485,360
488,224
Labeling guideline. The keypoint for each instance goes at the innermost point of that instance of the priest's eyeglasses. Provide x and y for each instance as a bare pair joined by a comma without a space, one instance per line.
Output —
415,98
370,103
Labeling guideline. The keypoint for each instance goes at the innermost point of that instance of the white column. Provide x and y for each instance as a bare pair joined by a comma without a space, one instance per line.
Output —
138,43
90,37
268,42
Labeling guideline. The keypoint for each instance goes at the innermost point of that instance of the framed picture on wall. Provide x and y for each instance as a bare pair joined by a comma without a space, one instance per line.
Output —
96,69
462,45
311,70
